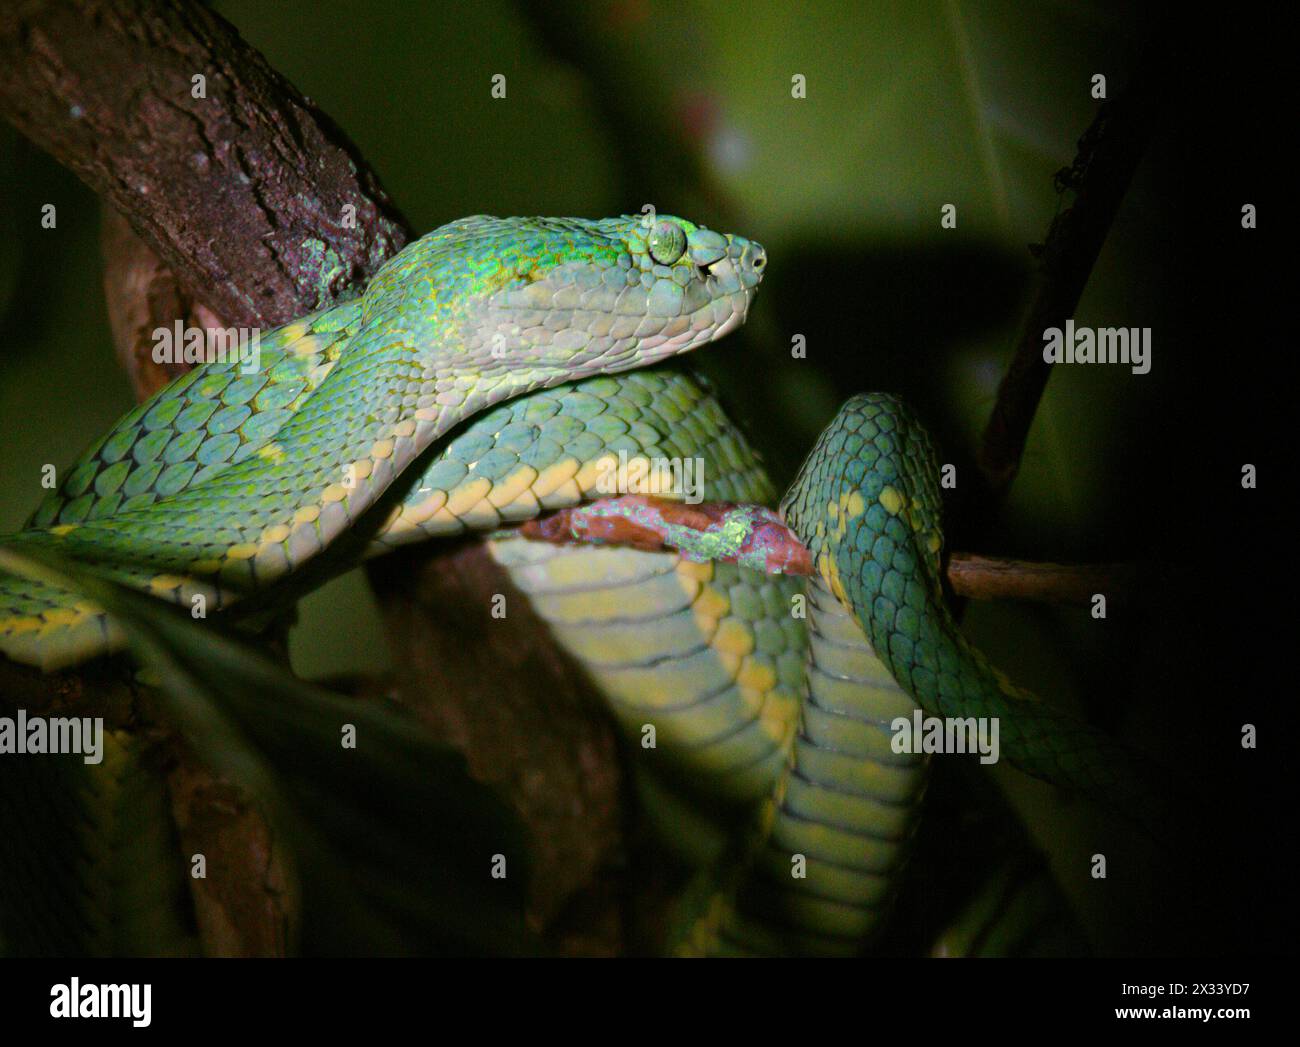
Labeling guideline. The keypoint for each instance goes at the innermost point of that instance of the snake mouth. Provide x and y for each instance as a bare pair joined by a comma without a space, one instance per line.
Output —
732,322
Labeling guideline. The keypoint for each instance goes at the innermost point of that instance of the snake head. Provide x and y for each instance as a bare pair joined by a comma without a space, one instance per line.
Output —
559,299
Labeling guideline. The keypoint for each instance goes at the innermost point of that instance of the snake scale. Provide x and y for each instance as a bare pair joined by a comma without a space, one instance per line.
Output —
486,376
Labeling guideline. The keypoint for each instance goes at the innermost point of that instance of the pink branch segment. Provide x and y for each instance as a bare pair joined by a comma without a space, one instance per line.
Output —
749,535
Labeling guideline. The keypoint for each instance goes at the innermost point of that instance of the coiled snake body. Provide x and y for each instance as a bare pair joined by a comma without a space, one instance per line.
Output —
522,332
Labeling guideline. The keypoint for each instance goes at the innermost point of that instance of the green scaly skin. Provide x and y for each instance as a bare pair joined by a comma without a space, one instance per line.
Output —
842,814
711,656
867,505
224,483
819,874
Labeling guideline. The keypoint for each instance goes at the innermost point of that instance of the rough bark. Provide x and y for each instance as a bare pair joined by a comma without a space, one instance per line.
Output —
249,194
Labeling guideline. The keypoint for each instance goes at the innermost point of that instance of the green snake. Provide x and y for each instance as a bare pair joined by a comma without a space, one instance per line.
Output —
485,377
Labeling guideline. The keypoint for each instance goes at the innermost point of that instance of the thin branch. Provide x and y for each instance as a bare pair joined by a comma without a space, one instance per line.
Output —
754,537
1108,155
997,578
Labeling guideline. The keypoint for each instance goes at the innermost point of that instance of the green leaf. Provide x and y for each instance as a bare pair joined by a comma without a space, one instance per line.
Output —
391,841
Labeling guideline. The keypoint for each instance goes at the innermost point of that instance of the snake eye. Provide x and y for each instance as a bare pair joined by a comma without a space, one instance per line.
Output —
667,242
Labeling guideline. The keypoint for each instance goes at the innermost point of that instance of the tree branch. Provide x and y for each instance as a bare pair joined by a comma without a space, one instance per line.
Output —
997,578
754,537
1108,155
258,203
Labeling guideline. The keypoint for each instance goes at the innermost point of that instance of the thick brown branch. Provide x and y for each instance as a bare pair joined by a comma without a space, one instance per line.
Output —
245,904
248,193
142,295
486,677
